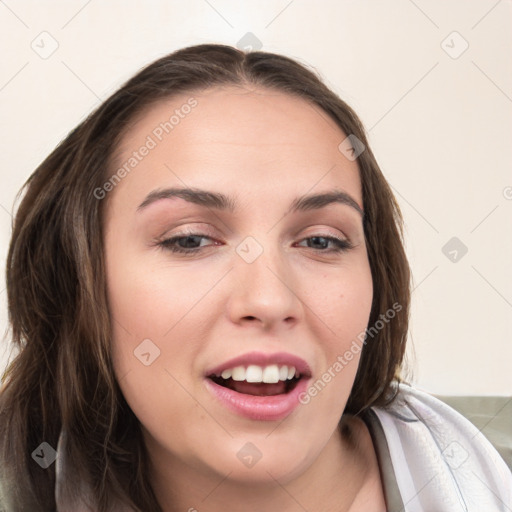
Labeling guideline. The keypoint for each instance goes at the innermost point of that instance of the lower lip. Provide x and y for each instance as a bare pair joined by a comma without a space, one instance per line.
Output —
263,408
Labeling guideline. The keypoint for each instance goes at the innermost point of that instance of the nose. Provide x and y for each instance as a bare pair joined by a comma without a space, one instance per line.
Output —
265,292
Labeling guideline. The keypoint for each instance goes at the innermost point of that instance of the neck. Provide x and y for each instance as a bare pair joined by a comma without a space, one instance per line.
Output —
332,483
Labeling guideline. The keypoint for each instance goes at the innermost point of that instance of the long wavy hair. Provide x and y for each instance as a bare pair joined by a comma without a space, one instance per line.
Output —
62,376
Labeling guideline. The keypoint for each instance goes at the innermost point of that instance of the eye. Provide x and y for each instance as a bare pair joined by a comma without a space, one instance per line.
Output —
323,241
186,243
190,243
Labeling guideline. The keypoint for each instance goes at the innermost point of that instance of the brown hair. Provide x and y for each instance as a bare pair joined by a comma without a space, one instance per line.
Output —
63,378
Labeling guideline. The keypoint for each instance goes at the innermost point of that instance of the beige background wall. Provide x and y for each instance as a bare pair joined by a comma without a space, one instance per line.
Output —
431,80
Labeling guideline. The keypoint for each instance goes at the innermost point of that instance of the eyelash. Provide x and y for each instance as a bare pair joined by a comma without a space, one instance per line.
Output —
168,244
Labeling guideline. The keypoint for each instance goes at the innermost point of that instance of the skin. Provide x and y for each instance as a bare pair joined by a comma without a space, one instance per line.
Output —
264,148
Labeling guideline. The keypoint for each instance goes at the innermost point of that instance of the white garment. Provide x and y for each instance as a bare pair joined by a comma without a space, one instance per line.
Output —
432,459
441,461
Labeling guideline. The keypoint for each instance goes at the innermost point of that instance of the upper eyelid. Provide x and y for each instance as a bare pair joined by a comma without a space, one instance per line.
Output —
207,232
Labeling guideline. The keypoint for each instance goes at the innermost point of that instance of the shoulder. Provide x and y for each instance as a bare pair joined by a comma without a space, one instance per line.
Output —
440,459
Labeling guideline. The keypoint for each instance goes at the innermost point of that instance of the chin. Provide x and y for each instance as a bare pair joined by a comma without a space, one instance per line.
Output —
252,458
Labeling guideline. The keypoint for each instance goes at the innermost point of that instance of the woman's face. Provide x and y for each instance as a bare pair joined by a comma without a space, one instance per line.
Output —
261,282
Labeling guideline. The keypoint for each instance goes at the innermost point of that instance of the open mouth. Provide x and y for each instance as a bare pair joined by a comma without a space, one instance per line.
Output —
258,381
256,388
261,387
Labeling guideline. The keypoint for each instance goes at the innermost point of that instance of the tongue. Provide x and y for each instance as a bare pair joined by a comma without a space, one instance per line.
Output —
258,389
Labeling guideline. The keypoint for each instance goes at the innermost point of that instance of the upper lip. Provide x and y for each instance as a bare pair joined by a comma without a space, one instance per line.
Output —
261,359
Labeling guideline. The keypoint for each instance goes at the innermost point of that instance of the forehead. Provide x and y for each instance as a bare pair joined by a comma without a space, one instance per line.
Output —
236,139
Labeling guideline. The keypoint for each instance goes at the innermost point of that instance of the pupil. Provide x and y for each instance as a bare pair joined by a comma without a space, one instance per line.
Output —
184,242
316,238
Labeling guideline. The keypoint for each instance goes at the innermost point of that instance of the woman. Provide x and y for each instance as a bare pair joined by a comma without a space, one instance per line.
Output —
208,286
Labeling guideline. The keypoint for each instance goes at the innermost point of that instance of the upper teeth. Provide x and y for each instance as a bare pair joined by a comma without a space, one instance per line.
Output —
253,373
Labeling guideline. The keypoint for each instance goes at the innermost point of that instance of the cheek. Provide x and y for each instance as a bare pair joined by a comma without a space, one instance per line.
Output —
343,301
158,310
343,304
147,312
141,301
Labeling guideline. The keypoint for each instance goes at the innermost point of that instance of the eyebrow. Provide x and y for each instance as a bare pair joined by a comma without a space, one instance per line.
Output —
220,201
